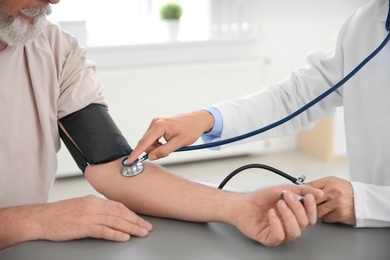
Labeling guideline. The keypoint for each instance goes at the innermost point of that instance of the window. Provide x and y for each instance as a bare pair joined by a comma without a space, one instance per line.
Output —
118,22
234,18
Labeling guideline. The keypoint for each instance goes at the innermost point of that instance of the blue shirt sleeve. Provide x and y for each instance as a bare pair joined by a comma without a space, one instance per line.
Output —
216,131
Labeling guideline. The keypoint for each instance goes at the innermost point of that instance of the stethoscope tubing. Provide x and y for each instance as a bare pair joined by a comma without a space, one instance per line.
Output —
290,116
297,112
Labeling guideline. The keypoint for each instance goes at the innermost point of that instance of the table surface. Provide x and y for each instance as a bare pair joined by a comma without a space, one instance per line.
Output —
172,239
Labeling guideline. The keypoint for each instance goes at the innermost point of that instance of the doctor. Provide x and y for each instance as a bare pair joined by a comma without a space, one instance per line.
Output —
362,201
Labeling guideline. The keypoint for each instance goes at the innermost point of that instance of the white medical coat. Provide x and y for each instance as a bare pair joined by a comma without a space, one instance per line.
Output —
366,101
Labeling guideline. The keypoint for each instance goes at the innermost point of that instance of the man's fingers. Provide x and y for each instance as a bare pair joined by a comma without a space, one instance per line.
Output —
311,209
299,212
104,232
291,226
121,225
120,211
114,221
277,235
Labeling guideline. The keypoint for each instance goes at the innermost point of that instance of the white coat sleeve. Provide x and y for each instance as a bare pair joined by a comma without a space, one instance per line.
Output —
274,102
372,207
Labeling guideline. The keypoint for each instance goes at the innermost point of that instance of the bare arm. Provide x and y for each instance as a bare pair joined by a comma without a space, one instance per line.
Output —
259,215
156,192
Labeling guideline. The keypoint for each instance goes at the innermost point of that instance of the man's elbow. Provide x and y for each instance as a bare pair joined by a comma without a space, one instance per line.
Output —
104,177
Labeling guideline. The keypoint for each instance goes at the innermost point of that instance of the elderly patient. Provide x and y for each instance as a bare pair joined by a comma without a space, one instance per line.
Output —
45,79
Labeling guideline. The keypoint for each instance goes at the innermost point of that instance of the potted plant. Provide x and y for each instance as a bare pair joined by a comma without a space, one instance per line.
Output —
170,13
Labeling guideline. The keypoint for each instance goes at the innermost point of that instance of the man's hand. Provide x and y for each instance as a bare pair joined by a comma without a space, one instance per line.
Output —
337,205
88,216
178,131
271,221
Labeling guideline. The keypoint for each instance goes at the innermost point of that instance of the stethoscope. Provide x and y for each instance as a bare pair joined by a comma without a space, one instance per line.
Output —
135,168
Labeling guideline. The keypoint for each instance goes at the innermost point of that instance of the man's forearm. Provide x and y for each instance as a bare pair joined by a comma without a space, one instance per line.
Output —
158,193
17,225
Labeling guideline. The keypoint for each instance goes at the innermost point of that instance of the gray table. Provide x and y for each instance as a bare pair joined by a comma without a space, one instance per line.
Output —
173,239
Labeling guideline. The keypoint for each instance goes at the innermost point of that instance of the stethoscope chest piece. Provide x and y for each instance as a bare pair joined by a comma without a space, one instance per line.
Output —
133,169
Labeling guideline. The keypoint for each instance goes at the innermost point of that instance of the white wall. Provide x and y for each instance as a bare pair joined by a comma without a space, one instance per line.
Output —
147,83
290,29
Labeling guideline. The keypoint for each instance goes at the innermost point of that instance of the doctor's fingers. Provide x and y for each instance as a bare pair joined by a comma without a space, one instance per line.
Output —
332,211
333,187
307,189
325,208
320,183
147,143
340,216
158,150
174,134
172,144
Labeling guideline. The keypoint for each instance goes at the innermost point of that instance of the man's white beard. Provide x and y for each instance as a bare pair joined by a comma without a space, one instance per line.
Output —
15,31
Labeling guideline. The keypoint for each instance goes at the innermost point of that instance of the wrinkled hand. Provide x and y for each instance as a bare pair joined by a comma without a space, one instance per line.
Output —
177,131
271,221
337,205
90,216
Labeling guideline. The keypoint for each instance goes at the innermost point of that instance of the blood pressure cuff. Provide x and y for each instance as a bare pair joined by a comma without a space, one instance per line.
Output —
92,137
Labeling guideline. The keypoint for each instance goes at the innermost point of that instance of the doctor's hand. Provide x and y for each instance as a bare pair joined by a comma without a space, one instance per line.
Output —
271,221
337,205
177,131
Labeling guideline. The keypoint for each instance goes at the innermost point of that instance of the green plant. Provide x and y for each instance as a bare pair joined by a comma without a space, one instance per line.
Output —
171,11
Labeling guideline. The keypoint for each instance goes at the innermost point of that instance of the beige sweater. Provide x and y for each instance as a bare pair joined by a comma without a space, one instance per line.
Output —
39,83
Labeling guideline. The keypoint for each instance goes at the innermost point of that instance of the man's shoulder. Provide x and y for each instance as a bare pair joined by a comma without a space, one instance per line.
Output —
53,31
55,38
